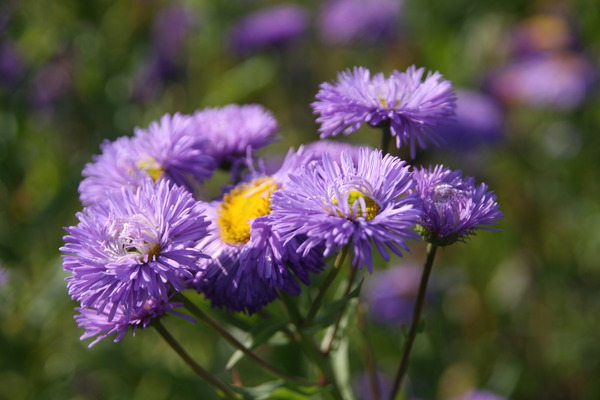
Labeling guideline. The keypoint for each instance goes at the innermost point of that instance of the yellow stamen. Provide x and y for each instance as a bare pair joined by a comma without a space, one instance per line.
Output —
151,166
371,206
245,202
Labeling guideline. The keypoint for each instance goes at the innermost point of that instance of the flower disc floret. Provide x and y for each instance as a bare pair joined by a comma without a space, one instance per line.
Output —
408,103
334,204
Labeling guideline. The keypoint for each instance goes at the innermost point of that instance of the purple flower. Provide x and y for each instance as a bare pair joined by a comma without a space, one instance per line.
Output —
404,102
558,81
136,246
100,324
337,204
391,294
315,150
11,65
544,32
453,207
481,395
249,261
276,26
369,21
233,131
479,120
168,150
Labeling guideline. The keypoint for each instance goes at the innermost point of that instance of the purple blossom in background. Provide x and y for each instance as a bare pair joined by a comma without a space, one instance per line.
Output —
52,81
407,103
99,324
391,294
363,390
479,120
134,247
11,65
342,22
277,26
558,81
480,395
234,131
169,150
249,261
544,32
315,150
453,207
337,204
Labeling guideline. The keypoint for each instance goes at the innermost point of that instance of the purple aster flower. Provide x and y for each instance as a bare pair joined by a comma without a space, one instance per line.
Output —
99,324
479,120
276,26
481,395
11,65
337,204
233,131
249,261
559,81
135,246
453,207
404,102
369,21
168,150
391,294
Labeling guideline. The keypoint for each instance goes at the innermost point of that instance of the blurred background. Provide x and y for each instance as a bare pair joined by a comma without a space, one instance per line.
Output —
515,313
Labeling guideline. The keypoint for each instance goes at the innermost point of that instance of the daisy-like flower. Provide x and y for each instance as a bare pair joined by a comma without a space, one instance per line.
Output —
249,263
453,206
99,324
137,246
336,204
404,102
168,150
234,130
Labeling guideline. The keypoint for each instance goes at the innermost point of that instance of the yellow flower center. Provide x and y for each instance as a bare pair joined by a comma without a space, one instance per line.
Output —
370,205
245,202
151,166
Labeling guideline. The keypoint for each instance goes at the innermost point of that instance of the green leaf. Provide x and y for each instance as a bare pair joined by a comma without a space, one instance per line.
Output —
258,335
278,390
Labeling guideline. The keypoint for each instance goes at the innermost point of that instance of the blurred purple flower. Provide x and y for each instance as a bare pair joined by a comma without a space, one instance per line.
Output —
11,65
336,204
391,294
480,395
544,32
409,105
453,207
479,120
249,260
363,390
276,26
52,81
558,81
134,247
342,22
169,149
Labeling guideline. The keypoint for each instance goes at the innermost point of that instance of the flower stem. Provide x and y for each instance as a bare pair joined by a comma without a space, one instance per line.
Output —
370,365
338,320
386,137
201,315
333,273
204,374
420,301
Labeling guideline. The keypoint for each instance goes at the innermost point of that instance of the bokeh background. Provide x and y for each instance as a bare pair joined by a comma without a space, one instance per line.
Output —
515,313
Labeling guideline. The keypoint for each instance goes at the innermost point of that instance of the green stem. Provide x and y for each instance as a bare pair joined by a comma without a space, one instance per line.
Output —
420,301
311,348
204,374
386,137
201,315
370,365
336,327
333,273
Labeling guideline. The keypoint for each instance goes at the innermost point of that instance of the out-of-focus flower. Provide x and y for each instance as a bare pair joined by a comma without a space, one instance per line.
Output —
169,150
52,81
391,294
559,81
277,26
545,32
337,204
453,207
249,260
315,150
235,130
100,324
342,22
11,65
364,391
479,120
136,246
480,395
409,105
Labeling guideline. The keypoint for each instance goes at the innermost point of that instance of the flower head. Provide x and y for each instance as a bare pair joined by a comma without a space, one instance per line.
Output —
232,131
249,261
453,207
168,150
409,105
136,246
336,204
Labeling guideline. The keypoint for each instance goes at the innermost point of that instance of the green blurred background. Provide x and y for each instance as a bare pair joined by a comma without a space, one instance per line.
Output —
518,311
